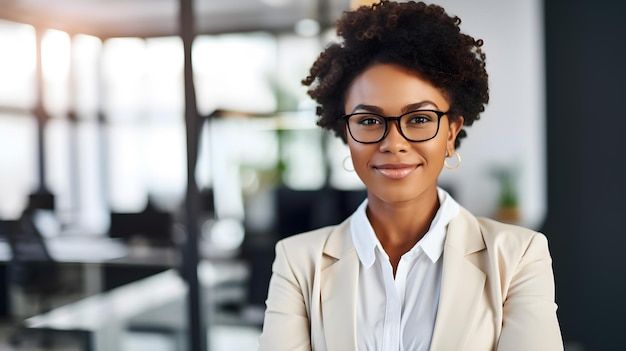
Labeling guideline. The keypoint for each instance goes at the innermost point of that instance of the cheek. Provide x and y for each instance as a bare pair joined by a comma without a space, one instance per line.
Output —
444,139
433,151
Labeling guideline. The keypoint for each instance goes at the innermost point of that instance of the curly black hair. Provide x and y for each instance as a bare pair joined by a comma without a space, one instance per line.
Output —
420,37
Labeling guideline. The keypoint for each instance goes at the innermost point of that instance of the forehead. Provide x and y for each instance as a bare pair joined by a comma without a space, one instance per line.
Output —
391,87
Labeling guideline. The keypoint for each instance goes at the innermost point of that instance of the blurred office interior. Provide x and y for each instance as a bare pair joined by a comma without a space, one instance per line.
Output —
139,211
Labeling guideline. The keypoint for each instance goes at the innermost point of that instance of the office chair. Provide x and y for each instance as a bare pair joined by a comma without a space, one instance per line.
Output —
32,269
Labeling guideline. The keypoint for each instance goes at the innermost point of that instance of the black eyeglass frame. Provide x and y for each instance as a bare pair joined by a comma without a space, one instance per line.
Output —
439,114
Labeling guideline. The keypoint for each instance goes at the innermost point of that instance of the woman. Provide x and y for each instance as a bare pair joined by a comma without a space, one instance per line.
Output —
411,269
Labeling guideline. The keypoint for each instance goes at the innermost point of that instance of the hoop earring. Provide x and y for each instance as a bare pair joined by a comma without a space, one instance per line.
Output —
454,166
344,164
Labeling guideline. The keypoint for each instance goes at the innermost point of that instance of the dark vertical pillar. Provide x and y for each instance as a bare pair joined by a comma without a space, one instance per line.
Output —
197,328
586,122
40,112
41,197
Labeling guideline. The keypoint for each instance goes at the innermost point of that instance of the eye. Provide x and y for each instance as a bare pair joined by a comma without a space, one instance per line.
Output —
367,119
420,117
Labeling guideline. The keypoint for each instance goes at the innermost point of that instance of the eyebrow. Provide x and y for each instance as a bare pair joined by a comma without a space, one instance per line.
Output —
406,108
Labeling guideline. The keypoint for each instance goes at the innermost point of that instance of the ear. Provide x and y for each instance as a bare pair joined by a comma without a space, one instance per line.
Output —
455,127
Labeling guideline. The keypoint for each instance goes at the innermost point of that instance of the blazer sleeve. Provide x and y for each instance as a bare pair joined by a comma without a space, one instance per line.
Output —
286,325
529,311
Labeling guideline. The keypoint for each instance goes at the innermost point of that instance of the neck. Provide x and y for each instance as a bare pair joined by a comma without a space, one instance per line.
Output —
399,226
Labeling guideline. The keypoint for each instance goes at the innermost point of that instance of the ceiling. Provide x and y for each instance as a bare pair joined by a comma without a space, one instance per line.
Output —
151,18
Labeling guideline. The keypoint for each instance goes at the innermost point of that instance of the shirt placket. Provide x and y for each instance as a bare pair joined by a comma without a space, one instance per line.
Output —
393,308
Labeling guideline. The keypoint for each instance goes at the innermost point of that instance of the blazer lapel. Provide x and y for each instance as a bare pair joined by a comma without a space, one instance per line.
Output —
461,286
339,290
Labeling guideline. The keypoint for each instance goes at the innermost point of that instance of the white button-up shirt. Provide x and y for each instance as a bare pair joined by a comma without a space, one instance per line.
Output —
399,314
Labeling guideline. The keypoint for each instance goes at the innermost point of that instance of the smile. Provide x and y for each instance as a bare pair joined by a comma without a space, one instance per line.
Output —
395,171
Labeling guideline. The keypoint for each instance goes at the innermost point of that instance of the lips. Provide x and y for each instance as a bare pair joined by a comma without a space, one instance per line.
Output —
395,171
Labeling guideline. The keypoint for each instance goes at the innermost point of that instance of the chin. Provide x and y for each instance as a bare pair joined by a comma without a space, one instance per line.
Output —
397,194
392,197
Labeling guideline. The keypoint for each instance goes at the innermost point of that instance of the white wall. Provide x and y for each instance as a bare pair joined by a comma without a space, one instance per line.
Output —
512,130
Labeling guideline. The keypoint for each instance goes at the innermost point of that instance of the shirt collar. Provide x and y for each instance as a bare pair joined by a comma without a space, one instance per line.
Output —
366,242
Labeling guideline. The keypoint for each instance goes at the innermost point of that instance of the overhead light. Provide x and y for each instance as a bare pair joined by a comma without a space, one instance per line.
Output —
307,27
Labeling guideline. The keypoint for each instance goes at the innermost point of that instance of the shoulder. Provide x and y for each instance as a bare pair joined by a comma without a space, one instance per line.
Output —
307,241
504,252
496,232
332,240
502,239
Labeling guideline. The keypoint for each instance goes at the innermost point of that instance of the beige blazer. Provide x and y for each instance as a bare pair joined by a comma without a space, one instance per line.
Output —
497,291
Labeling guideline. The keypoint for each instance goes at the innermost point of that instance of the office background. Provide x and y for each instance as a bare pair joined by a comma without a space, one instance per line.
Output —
562,108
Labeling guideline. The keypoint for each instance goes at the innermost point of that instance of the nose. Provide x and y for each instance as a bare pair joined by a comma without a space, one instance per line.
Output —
394,141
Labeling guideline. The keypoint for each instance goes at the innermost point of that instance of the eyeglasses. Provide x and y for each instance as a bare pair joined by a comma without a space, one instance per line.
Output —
415,126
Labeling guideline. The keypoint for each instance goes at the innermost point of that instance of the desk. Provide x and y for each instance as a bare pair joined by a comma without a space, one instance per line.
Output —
99,249
95,252
153,303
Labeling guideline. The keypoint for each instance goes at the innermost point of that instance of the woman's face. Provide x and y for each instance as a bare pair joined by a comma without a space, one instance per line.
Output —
396,170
